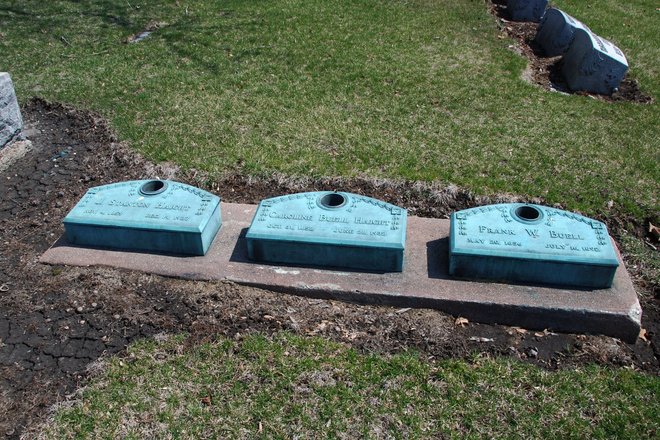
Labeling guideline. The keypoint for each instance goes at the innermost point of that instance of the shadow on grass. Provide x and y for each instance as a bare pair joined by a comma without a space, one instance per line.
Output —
182,38
179,36
37,15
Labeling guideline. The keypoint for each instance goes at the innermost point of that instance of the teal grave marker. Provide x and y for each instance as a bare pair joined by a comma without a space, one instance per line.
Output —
330,229
531,244
556,32
593,64
145,215
526,10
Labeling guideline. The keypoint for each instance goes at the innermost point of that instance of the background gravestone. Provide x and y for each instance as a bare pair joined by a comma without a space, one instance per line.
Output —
11,122
556,32
526,10
593,64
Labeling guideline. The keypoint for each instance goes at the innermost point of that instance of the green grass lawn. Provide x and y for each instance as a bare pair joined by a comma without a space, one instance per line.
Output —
418,89
295,387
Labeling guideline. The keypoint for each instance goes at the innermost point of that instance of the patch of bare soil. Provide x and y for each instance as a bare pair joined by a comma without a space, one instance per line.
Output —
545,71
56,321
150,28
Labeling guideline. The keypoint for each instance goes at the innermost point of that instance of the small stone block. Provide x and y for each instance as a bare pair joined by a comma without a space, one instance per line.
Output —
527,243
145,215
11,122
593,64
556,32
330,229
526,10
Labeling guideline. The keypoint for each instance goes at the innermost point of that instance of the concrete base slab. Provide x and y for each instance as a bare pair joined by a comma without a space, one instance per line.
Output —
424,282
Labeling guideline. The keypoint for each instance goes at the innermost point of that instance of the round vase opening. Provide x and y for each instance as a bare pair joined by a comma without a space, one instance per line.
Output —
528,213
153,187
333,200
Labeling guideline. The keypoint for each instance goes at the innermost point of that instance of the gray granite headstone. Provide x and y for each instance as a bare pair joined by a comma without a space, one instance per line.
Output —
556,32
526,10
593,64
11,122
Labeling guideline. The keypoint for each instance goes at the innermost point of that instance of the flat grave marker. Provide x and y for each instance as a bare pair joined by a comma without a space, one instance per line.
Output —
334,229
514,242
145,215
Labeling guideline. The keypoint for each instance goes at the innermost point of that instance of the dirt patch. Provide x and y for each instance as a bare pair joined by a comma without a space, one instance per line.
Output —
57,321
545,71
149,29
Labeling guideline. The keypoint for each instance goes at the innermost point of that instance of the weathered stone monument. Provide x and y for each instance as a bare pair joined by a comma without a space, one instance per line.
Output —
11,122
556,32
593,64
145,215
334,229
531,244
526,10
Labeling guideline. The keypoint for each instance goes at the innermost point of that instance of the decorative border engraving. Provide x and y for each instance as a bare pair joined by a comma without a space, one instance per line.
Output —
301,217
551,235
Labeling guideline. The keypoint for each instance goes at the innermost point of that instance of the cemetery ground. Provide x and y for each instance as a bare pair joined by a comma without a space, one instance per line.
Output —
432,93
214,359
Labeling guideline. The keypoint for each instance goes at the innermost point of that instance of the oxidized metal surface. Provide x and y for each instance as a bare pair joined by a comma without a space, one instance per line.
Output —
148,215
329,229
530,243
556,32
526,10
593,64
